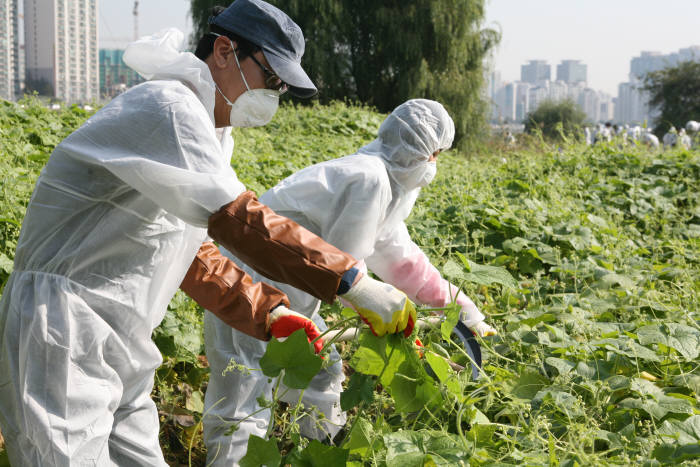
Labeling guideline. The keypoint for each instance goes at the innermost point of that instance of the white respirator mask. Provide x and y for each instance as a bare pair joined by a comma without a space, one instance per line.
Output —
255,107
428,175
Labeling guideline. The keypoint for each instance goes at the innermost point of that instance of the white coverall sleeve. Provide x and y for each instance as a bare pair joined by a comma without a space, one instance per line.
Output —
167,151
400,262
337,201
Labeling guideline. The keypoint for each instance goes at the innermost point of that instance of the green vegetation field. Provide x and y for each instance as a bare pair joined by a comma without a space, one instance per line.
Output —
596,362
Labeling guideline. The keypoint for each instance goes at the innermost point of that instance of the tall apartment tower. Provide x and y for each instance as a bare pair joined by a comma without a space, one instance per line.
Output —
572,71
61,49
11,77
535,72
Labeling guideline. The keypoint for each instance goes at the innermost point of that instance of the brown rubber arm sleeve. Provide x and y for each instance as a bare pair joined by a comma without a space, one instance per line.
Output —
217,284
279,248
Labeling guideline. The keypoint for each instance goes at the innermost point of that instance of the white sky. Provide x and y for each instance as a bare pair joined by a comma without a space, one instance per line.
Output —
604,34
116,21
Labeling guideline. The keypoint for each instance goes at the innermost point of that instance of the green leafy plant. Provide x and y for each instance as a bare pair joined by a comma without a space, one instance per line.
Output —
586,259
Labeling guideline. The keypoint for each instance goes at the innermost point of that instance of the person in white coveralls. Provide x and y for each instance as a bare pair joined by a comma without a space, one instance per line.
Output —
117,222
357,203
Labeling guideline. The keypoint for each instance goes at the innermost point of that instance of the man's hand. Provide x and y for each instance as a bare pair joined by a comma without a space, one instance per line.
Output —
284,321
384,308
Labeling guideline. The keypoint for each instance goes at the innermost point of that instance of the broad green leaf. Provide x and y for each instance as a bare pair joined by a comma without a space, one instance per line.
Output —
689,381
478,273
628,348
412,392
539,318
195,402
320,455
558,400
528,384
452,270
418,448
613,439
6,264
360,388
644,388
612,280
402,373
562,366
674,454
660,406
295,356
465,262
684,432
448,324
444,373
487,275
682,338
378,356
481,434
529,262
360,438
598,221
515,245
261,452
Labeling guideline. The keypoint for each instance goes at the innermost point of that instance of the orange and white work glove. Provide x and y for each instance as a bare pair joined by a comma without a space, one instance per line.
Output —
284,322
382,306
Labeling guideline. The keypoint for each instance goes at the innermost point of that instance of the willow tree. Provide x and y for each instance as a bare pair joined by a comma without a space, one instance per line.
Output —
383,52
675,93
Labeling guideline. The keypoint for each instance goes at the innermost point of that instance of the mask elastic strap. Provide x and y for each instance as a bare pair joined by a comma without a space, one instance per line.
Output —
222,95
235,56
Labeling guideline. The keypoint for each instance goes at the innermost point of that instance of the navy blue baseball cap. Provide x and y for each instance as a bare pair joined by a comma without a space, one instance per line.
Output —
276,34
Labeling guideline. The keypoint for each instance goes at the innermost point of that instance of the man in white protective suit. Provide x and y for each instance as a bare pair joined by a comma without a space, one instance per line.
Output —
357,203
113,227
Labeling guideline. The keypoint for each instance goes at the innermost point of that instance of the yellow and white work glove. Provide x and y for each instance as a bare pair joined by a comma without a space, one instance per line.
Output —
382,306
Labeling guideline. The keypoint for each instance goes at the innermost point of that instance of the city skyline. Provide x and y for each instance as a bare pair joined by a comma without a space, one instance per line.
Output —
605,35
513,100
116,29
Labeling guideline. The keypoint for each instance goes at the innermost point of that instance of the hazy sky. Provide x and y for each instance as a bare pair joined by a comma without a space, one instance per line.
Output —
604,34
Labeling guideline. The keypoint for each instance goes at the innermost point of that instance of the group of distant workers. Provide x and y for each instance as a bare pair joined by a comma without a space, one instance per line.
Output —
126,211
633,134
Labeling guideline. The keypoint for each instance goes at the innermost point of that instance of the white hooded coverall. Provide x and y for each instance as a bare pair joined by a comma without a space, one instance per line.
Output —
114,222
357,203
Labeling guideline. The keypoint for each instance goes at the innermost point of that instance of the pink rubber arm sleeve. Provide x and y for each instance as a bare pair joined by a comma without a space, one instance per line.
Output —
400,262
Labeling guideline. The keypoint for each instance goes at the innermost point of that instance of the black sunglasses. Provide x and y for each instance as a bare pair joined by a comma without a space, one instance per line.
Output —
272,81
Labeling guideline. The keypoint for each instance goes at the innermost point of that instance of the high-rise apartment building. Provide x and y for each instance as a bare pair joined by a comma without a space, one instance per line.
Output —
572,71
648,62
11,77
61,49
632,101
115,76
535,72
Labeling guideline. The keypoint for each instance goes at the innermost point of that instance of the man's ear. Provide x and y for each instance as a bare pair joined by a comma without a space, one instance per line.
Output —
222,51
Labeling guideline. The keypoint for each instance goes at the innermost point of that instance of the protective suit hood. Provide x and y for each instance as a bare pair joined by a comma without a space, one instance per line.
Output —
405,141
162,56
